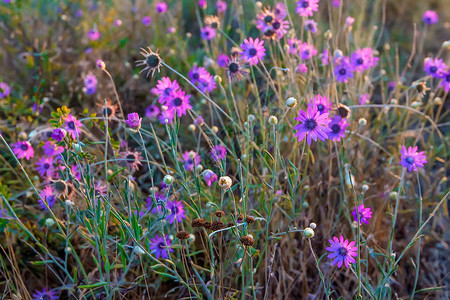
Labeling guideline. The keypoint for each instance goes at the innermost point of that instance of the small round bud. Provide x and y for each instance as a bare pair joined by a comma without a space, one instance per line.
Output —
168,179
225,182
446,44
387,47
291,102
306,187
69,203
383,72
365,188
308,233
393,195
328,35
199,168
49,222
313,225
215,129
100,64
138,250
362,122
191,127
247,241
23,135
251,118
437,100
273,120
393,101
217,79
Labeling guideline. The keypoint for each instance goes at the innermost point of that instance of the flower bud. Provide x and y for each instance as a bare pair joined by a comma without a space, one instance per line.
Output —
273,120
308,233
225,182
217,79
49,222
100,64
168,179
291,102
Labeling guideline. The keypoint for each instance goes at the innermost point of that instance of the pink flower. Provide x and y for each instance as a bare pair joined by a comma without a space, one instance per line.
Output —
23,149
72,125
147,20
134,121
342,251
161,7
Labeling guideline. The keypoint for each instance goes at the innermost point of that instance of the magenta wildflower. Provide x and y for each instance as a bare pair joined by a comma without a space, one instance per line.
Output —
280,27
59,134
202,3
161,7
210,177
207,33
363,59
165,88
445,83
363,99
190,160
90,81
342,251
311,25
236,68
307,51
391,85
160,200
179,103
337,126
134,121
253,50
349,22
199,121
305,8
131,159
176,211
302,68
160,246
146,21
218,152
45,166
222,60
51,149
279,9
411,159
264,19
75,172
294,46
201,78
117,23
166,116
47,196
93,34
430,17
221,6
45,294
336,3
434,67
196,74
152,111
343,70
313,125
325,57
322,103
23,149
5,90
365,213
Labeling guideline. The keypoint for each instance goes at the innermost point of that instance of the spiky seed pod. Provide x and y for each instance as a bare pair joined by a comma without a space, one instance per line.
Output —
198,222
183,235
207,225
250,220
247,241
219,213
217,225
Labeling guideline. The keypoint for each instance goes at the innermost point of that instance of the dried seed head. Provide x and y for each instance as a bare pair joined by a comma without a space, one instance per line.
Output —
197,222
217,225
250,220
343,111
183,235
247,241
240,217
207,225
225,182
230,224
59,186
219,213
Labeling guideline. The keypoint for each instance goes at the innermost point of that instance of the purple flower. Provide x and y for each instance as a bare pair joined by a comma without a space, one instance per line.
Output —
280,27
342,251
131,159
207,83
207,33
5,90
294,45
152,111
196,74
306,51
190,159
337,126
430,17
209,176
51,149
93,34
411,159
176,211
302,68
47,294
336,3
166,116
363,59
434,67
322,103
202,3
311,25
221,6
313,125
349,22
343,70
218,152
363,99
222,60
47,196
391,86
134,121
160,246
118,22
365,213
279,9
165,89
75,172
179,102
236,68
72,125
23,149
160,200
305,8
161,7
45,166
264,20
59,134
199,121
253,50
325,57
146,21
445,83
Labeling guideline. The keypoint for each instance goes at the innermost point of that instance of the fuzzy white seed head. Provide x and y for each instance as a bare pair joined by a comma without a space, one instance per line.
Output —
225,182
308,232
273,120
